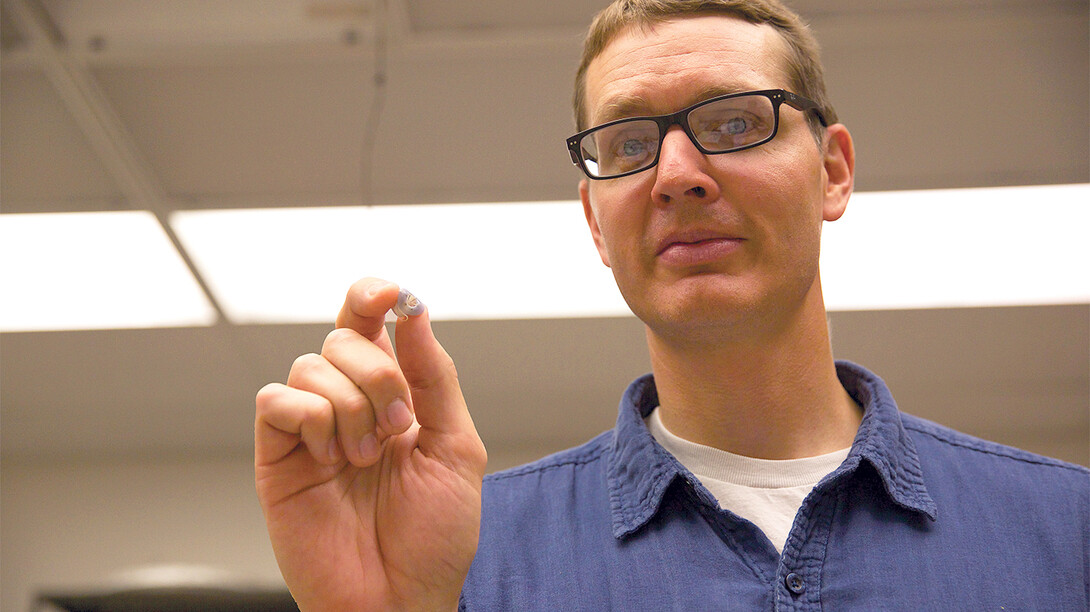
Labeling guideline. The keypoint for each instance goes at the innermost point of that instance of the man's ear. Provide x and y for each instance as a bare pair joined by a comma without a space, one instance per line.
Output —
595,231
839,171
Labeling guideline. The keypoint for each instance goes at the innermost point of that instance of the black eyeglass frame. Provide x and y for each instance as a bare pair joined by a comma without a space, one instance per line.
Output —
778,97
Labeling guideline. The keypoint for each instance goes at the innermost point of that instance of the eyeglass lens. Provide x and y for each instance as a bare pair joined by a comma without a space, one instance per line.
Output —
718,126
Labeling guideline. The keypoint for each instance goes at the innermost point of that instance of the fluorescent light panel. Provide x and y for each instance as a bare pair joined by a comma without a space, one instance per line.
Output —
1003,246
465,261
101,270
892,250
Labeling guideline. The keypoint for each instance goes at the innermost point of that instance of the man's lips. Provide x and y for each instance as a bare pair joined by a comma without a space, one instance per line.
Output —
694,239
696,247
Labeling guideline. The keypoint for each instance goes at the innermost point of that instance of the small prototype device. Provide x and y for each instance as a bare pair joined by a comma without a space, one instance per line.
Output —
408,305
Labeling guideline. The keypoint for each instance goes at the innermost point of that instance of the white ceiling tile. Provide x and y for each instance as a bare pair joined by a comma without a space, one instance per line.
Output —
242,130
46,163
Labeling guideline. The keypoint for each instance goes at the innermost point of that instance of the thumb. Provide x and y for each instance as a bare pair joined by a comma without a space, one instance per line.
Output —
433,380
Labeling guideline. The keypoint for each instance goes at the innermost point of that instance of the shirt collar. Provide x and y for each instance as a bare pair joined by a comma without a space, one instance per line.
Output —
639,471
883,441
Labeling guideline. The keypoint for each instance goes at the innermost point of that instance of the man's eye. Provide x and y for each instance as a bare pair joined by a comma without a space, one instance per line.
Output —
730,131
633,147
732,125
735,126
628,152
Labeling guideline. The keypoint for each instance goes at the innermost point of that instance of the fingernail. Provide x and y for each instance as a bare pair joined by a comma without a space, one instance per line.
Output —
369,446
374,290
398,414
333,451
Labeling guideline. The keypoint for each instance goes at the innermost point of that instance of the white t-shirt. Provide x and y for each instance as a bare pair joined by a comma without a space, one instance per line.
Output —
766,492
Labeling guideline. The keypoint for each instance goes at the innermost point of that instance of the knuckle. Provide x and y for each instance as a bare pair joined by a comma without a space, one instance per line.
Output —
317,411
307,362
383,374
304,367
382,380
337,339
267,395
355,406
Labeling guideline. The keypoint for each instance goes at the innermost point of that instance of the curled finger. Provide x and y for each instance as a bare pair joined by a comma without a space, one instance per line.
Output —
287,416
351,412
376,374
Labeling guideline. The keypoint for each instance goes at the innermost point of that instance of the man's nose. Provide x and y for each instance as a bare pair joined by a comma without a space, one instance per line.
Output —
683,171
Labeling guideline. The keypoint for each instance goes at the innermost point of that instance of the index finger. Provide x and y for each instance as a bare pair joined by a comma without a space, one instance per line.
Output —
365,307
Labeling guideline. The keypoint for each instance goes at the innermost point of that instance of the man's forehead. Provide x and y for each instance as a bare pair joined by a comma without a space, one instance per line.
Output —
665,67
631,104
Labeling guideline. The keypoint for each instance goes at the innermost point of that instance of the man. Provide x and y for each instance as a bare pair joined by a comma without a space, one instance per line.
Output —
750,472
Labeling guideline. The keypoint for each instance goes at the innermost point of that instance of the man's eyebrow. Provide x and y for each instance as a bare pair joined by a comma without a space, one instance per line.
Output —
625,106
622,107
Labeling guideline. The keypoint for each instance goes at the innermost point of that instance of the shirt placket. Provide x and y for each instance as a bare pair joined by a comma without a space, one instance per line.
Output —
798,578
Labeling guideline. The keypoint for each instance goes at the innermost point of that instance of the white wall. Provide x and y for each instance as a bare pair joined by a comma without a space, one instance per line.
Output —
69,524
72,523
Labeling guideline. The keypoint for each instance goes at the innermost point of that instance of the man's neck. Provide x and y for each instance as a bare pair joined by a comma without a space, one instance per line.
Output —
773,396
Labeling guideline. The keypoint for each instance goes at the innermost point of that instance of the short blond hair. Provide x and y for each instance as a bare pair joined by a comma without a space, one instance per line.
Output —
803,62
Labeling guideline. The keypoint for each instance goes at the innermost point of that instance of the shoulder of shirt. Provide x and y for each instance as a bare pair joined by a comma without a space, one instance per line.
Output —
957,441
589,452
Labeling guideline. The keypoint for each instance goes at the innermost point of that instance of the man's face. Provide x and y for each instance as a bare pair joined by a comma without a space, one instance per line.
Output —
707,242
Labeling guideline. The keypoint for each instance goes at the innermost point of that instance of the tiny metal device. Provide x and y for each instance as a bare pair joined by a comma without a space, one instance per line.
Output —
408,305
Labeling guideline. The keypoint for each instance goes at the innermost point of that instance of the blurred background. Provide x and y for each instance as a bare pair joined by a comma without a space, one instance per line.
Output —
127,446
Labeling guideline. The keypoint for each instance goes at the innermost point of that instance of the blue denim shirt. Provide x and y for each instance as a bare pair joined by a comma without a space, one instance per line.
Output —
918,517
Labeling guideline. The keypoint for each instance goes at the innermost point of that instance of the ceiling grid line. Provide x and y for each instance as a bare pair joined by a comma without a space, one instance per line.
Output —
103,128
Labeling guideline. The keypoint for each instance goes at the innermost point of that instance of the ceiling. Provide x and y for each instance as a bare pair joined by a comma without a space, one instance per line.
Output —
195,104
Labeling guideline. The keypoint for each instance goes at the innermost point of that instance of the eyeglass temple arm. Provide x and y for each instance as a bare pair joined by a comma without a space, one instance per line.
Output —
803,104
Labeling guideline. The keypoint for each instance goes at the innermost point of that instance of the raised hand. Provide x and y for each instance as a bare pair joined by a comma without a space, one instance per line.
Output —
368,467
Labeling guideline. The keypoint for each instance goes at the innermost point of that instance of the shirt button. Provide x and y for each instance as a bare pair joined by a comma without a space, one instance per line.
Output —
794,583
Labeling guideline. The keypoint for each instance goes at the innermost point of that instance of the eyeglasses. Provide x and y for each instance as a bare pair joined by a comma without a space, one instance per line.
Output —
723,124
